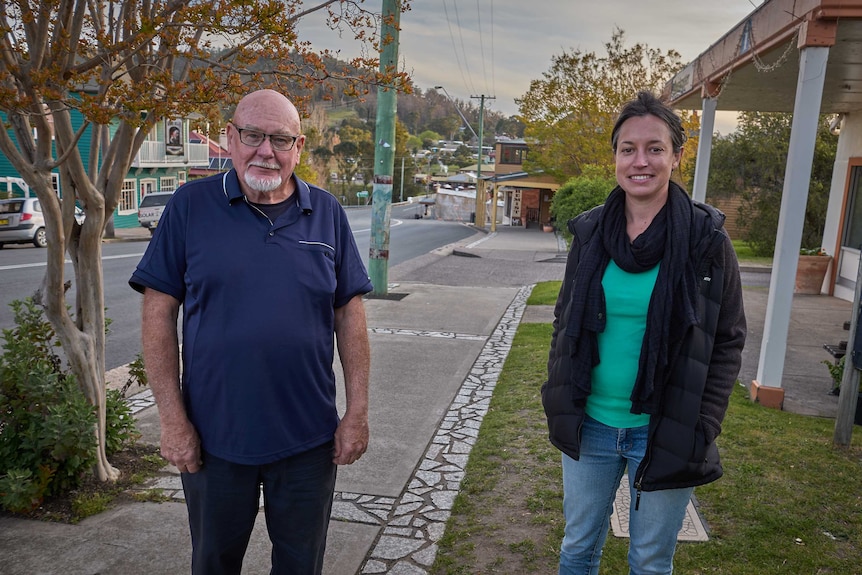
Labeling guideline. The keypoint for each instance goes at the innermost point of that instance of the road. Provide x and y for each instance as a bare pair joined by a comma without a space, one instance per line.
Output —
22,269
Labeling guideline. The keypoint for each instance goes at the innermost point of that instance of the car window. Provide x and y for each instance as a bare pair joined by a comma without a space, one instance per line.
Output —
11,207
154,200
37,207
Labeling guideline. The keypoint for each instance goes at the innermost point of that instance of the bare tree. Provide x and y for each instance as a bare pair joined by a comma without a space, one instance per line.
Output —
111,70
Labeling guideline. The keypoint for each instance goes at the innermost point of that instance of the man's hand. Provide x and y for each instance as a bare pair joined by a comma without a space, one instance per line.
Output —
351,439
181,446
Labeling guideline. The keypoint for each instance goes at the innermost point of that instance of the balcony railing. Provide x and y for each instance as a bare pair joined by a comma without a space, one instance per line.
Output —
155,155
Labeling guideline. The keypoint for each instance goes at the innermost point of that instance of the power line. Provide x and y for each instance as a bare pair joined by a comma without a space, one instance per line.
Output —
463,49
493,80
481,43
454,46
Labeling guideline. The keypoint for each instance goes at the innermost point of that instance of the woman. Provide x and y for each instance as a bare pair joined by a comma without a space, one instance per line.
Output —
648,335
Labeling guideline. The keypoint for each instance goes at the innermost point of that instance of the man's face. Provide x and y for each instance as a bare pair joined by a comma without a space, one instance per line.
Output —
264,172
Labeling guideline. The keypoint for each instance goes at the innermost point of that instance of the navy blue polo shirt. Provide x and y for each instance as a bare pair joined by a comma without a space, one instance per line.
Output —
259,302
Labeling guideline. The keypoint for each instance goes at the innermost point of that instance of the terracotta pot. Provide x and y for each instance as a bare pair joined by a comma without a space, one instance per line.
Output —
547,228
810,272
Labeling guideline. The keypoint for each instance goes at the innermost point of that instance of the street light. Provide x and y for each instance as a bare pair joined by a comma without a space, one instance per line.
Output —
457,109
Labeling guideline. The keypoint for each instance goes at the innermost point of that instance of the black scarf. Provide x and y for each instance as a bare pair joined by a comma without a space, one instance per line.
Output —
668,240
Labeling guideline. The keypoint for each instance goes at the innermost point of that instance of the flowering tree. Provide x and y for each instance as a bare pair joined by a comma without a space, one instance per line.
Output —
112,70
570,112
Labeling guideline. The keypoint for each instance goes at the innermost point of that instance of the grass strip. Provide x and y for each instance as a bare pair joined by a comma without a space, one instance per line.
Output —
789,503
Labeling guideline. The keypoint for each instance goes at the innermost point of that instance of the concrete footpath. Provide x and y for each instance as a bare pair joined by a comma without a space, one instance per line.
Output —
439,342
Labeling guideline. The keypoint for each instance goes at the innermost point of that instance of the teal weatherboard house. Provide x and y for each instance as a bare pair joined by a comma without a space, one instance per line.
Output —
161,165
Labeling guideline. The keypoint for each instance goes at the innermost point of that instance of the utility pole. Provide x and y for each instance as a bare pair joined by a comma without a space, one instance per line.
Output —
384,154
480,183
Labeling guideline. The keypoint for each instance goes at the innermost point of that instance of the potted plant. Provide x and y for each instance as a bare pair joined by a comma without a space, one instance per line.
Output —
811,270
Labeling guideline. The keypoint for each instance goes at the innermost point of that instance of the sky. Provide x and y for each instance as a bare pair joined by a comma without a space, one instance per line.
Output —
496,47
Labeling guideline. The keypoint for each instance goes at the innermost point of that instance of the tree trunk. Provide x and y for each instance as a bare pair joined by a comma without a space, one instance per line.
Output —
83,339
109,228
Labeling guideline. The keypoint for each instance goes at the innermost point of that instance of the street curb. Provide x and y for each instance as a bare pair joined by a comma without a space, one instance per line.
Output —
755,268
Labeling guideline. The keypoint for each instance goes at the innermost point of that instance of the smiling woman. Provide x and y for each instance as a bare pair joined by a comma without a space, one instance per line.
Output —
634,262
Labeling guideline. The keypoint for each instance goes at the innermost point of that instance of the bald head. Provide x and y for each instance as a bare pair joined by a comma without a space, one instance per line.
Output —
267,103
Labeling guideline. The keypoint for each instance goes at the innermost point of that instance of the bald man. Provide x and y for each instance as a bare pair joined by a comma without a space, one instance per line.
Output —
266,270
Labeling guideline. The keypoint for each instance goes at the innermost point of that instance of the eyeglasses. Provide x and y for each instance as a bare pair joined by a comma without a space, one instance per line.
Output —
255,138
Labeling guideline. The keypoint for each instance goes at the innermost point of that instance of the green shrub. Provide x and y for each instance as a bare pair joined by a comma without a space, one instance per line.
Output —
47,426
137,373
581,193
120,429
836,370
47,439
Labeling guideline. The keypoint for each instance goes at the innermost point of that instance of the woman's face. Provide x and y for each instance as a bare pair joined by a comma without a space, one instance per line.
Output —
645,158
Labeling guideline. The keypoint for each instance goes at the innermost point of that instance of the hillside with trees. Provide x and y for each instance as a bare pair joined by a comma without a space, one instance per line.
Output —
340,132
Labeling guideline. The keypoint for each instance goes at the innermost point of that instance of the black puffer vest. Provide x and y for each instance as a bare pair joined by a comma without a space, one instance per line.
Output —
681,450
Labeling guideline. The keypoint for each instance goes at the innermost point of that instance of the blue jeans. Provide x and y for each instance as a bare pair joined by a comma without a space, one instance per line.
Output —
223,498
589,489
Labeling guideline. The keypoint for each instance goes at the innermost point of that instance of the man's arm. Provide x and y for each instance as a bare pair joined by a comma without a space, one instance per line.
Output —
351,437
180,443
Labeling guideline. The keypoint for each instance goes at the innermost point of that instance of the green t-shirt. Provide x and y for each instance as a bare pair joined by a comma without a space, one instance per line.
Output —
627,298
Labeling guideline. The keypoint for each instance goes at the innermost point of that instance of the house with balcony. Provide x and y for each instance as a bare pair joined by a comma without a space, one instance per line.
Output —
526,197
161,165
219,156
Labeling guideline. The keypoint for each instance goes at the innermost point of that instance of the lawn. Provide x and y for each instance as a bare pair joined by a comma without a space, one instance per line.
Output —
746,256
789,502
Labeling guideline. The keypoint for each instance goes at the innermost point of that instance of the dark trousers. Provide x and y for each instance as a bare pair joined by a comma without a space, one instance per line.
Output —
222,500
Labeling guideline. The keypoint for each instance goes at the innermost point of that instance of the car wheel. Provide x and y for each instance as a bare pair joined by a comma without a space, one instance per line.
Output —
40,240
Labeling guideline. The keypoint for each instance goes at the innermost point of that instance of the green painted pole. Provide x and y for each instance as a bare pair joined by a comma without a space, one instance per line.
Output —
384,154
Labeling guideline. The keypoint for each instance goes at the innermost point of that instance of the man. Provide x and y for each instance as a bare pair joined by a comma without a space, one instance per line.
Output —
266,270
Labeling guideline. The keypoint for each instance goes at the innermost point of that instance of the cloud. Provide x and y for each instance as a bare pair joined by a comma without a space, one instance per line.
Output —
496,47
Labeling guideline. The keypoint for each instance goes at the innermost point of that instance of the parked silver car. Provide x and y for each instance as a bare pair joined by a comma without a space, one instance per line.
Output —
21,222
151,208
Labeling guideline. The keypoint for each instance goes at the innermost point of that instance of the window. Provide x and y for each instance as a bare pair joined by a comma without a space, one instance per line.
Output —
167,184
512,155
128,198
55,183
148,186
